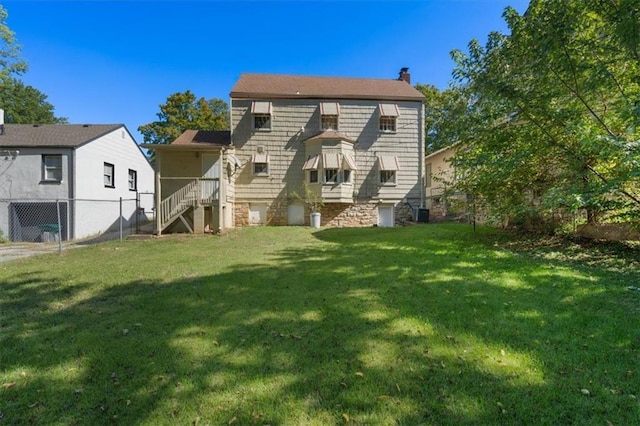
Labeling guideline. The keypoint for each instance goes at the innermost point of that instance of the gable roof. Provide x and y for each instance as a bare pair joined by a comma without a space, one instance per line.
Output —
271,86
53,135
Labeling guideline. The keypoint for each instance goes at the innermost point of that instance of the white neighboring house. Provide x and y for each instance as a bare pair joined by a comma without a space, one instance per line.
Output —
89,168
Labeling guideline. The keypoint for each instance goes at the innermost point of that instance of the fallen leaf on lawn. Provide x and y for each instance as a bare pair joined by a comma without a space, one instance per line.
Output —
215,343
125,331
233,420
345,416
359,374
502,352
343,384
398,387
384,397
8,385
585,392
35,404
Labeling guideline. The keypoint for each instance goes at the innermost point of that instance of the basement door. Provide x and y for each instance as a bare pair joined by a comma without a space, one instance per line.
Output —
385,216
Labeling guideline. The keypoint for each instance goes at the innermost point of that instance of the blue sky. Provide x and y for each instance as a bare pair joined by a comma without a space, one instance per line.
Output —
117,61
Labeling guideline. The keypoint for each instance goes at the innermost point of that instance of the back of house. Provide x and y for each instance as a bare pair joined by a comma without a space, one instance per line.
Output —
355,144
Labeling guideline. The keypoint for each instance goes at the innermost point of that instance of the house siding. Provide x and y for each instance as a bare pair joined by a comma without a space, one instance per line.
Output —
296,120
117,148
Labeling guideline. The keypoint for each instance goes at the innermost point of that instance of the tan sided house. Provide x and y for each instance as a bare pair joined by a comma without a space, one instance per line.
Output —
356,144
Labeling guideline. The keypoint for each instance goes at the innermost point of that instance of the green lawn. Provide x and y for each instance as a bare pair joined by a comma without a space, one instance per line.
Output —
428,324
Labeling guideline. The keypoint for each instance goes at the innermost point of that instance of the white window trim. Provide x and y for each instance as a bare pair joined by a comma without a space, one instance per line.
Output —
262,109
112,175
47,168
390,182
317,173
135,180
388,118
388,112
260,158
330,182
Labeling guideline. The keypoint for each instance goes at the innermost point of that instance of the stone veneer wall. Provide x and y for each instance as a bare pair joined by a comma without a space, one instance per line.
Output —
333,214
349,215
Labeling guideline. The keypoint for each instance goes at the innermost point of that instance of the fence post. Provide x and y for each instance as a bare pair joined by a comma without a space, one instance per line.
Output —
59,228
137,212
120,219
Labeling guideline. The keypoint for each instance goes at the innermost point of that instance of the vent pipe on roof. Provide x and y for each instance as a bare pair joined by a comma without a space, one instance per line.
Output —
404,75
1,122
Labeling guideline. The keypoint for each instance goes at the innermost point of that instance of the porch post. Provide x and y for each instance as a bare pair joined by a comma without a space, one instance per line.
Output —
222,193
158,196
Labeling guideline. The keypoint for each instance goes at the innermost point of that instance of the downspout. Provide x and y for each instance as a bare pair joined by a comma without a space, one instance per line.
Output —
233,201
72,196
421,156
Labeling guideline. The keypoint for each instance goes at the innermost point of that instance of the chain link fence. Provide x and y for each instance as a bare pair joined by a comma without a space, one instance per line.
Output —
75,220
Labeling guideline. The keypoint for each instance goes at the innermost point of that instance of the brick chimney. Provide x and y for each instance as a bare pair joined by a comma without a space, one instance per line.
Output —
404,75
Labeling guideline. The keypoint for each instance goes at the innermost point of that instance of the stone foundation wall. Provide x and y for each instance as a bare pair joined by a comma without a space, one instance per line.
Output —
241,214
349,215
333,214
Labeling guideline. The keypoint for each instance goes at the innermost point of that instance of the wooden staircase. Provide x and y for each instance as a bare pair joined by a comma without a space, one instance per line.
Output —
176,205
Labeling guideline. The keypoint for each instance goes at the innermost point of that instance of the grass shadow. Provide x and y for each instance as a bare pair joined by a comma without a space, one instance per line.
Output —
373,326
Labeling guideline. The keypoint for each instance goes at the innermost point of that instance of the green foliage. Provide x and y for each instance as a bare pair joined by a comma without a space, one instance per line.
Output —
309,197
183,111
26,104
556,105
445,113
10,61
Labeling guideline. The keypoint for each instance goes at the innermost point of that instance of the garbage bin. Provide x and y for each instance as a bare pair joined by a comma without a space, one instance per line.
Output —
423,215
49,232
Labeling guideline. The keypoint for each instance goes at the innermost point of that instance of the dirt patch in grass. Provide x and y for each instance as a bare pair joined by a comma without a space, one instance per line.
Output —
619,256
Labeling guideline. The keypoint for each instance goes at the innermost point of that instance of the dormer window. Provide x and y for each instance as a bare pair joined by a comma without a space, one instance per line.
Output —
261,112
388,117
329,114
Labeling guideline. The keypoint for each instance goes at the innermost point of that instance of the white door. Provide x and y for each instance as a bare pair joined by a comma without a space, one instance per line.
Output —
385,216
257,214
295,214
210,170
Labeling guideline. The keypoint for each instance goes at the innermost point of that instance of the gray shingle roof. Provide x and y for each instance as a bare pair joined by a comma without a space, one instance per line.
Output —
53,135
265,86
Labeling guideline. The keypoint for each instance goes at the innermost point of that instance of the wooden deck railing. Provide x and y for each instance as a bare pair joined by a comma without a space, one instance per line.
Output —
197,191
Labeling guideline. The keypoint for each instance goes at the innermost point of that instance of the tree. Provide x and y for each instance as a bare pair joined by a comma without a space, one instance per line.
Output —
553,125
10,61
445,113
183,111
26,104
